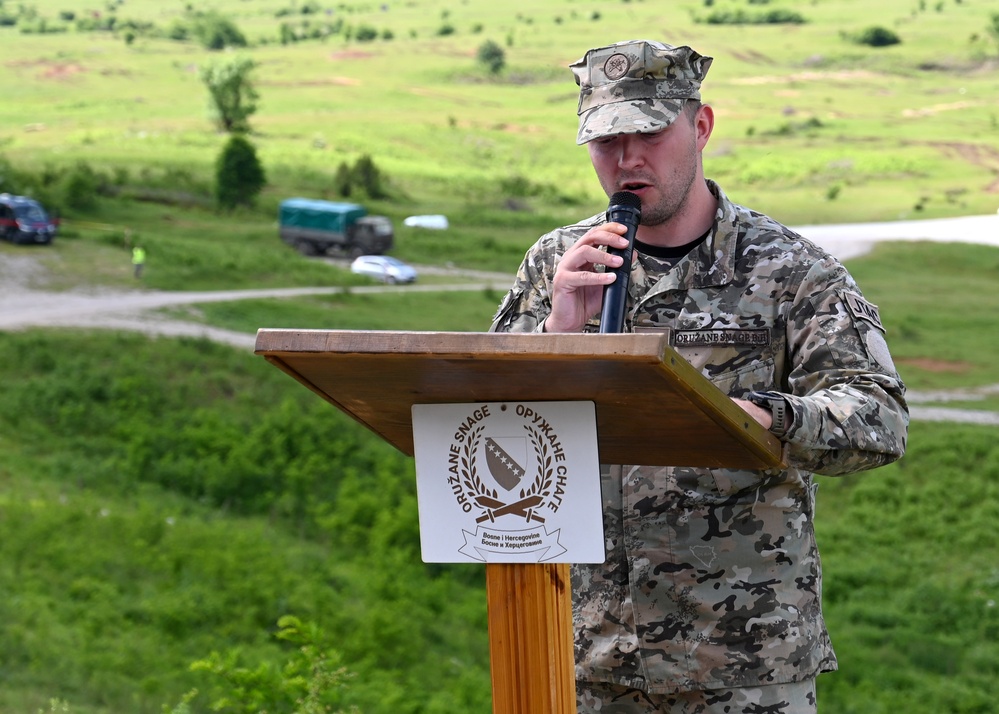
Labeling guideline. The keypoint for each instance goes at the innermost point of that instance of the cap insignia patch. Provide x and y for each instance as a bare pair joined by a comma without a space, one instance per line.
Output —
616,66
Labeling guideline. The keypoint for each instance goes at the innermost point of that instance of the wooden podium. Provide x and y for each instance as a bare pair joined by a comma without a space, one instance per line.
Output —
652,408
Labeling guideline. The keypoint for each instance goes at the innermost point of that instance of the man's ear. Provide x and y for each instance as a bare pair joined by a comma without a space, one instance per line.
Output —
704,124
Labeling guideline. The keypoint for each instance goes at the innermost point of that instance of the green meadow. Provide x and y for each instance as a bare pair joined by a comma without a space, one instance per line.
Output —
902,131
166,505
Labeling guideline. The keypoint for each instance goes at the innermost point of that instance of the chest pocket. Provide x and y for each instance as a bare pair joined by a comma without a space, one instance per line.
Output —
737,360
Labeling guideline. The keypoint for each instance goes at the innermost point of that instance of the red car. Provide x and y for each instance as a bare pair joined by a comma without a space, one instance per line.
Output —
23,220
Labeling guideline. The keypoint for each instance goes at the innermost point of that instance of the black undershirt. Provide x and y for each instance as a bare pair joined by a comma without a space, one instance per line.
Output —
669,254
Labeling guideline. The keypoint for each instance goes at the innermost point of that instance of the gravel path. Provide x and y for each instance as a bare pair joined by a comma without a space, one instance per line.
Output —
24,308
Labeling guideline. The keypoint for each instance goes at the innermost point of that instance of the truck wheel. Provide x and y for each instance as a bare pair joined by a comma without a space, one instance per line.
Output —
306,247
356,252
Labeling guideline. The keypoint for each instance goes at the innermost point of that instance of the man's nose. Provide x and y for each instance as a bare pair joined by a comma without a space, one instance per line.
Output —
630,153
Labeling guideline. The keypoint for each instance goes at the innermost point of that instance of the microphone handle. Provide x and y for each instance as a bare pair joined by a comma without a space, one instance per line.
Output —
616,294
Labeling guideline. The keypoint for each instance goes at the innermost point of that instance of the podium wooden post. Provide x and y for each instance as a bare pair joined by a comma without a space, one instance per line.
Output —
530,638
377,376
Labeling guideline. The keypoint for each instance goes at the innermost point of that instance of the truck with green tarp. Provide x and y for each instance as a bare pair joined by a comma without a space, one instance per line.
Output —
316,227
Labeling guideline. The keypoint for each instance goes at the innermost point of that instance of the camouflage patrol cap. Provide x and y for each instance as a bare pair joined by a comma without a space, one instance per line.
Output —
635,87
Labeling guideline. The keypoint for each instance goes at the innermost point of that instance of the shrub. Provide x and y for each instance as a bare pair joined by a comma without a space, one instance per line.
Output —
492,56
363,176
876,37
178,31
79,187
365,33
741,17
342,180
369,177
239,176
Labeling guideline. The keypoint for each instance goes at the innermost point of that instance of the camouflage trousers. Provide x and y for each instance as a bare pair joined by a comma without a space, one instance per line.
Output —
604,698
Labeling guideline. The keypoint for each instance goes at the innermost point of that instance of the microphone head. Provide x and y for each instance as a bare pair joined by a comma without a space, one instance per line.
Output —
627,199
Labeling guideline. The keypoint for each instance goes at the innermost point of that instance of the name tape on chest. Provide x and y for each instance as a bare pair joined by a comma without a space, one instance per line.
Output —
720,337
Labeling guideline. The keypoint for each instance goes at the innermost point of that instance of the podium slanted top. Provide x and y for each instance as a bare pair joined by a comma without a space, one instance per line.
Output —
652,406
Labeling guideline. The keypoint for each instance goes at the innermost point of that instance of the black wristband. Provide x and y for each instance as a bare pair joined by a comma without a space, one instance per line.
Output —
778,407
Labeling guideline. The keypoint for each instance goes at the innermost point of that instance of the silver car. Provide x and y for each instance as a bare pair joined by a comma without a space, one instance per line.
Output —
384,268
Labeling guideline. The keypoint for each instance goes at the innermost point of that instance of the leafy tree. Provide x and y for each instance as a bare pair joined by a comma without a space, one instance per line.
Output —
492,56
239,176
231,92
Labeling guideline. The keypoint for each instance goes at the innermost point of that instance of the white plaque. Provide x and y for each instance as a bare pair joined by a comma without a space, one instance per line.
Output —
508,482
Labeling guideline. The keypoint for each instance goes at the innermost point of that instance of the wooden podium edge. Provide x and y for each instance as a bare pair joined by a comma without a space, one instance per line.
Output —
723,411
651,348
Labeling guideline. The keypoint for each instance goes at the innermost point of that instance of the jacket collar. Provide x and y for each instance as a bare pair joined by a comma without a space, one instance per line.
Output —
712,262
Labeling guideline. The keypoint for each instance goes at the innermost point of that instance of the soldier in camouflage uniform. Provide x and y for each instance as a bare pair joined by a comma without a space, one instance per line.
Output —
710,597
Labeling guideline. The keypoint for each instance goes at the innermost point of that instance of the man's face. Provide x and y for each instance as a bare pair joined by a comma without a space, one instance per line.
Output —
659,167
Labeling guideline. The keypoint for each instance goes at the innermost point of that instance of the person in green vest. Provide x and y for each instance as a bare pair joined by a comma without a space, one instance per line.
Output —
138,260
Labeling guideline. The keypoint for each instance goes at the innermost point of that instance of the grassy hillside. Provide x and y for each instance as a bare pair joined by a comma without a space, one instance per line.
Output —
900,131
163,500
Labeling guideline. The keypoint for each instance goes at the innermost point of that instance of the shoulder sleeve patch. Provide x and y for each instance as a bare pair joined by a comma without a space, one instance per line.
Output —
863,310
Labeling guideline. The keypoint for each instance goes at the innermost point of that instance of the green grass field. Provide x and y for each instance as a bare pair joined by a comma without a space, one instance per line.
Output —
903,131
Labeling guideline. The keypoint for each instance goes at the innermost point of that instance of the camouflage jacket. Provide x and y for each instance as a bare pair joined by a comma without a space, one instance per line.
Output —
712,577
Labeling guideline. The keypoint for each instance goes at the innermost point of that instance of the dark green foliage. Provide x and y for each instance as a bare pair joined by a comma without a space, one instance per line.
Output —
364,177
309,682
131,548
216,32
239,176
40,26
342,182
993,27
165,500
911,584
12,180
366,33
876,37
69,190
368,176
101,23
492,56
79,187
775,16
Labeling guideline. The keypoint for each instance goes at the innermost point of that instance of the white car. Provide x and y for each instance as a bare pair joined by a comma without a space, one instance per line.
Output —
384,268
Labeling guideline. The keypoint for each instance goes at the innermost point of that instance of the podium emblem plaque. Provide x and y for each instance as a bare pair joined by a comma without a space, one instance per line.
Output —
508,482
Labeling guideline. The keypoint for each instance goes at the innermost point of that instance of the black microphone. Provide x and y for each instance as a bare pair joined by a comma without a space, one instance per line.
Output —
625,208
